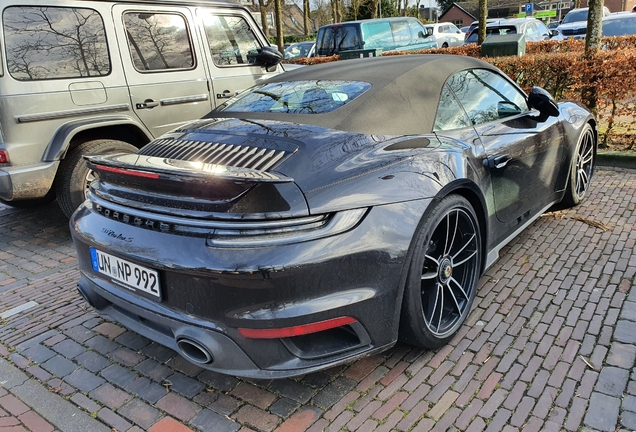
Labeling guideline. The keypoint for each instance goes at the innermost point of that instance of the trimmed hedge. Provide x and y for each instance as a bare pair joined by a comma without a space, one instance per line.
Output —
565,71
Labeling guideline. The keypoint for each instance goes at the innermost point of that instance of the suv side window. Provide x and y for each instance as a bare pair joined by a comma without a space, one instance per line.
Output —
158,41
54,42
230,39
486,96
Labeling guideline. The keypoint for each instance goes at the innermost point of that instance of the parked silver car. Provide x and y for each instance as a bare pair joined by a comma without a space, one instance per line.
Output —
574,25
533,29
88,77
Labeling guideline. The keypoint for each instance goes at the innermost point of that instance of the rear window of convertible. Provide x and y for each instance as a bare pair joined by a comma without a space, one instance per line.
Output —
296,97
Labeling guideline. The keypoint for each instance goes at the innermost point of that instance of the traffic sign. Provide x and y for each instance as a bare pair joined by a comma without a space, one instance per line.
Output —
529,7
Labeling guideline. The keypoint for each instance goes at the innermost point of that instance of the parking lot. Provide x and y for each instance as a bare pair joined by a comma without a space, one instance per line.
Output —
549,346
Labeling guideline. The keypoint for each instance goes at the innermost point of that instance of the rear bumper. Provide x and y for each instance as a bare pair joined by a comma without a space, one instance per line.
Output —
209,293
27,182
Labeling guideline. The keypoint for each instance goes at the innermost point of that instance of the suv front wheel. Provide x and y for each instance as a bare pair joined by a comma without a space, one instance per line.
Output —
74,177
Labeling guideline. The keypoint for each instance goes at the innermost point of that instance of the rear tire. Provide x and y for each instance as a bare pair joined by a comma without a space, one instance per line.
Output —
444,45
443,274
74,177
581,168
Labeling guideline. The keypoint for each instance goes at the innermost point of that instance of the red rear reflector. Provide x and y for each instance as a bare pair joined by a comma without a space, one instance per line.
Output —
296,330
4,157
128,172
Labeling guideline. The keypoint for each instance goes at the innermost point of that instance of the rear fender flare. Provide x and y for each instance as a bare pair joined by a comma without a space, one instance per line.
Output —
59,144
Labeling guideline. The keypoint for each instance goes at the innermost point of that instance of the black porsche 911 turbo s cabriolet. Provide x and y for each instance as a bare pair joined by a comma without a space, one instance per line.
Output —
328,212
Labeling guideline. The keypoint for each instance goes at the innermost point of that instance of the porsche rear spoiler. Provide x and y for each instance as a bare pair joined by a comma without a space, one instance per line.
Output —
140,166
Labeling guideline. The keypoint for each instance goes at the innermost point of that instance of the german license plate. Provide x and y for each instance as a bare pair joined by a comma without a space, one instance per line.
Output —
131,275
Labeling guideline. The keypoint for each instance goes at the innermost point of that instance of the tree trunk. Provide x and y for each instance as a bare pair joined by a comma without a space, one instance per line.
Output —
594,26
278,18
406,7
262,7
306,11
483,14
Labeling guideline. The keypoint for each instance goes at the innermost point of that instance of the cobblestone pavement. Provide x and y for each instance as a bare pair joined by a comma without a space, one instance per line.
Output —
550,345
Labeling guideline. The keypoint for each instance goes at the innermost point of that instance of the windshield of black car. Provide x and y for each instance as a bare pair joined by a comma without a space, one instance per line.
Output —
296,97
620,27
575,16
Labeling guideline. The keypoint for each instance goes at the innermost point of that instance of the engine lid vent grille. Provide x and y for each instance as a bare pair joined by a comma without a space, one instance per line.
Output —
240,156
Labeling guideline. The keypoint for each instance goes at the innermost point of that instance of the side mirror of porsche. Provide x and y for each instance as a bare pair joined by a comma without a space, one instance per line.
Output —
543,101
267,57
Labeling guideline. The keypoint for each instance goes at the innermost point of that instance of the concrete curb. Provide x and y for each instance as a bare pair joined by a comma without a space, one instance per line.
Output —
54,408
616,159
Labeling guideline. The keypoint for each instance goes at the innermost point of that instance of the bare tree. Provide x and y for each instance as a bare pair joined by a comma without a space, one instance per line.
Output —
262,7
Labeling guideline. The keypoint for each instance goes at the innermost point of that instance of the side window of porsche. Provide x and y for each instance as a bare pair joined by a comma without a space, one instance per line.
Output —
486,96
450,115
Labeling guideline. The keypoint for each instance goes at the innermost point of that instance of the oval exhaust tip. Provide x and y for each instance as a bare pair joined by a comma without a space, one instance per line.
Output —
194,351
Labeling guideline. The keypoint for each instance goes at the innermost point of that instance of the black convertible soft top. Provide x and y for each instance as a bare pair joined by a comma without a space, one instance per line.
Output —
403,98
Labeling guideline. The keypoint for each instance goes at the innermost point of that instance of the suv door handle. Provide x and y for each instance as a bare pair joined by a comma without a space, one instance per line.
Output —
497,162
147,104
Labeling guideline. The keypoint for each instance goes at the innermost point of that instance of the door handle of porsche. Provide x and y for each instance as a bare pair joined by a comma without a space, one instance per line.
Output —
147,104
499,161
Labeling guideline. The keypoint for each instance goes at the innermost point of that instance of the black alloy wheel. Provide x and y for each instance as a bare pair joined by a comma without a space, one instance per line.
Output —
581,169
444,274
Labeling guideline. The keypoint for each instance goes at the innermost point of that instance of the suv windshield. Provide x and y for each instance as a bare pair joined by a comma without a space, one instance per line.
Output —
575,16
296,97
333,39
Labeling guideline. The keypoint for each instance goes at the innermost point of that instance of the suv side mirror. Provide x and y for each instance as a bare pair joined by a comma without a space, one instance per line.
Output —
543,101
267,57
554,32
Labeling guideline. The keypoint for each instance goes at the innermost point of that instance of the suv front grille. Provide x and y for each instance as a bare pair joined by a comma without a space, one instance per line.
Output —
257,158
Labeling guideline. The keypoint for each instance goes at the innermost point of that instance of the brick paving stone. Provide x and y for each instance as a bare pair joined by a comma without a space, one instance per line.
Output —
126,357
300,421
168,424
34,422
185,385
185,367
38,353
218,402
153,370
68,348
256,418
443,404
283,407
84,380
331,393
140,413
292,390
109,330
132,340
92,361
602,412
208,421
110,396
146,389
158,352
118,375
114,420
254,395
83,402
218,381
13,405
39,373
102,345
177,406
612,381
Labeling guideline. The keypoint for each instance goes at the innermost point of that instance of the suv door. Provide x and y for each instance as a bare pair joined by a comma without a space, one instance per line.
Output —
166,77
232,41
